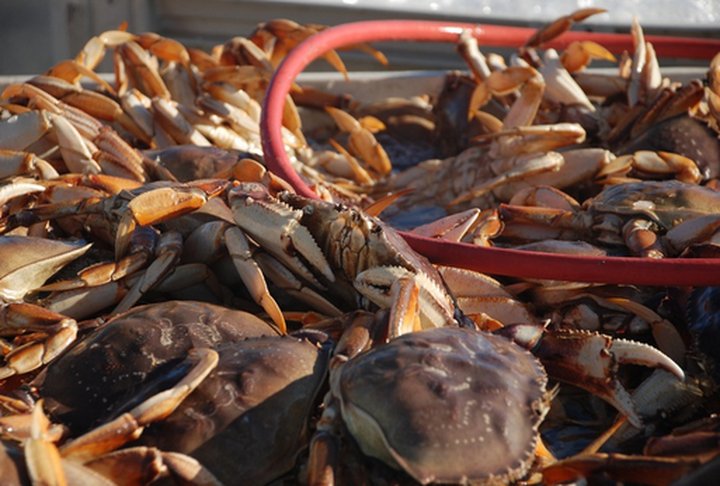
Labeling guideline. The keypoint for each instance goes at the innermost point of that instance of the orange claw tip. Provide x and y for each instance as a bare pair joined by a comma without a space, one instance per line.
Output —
497,261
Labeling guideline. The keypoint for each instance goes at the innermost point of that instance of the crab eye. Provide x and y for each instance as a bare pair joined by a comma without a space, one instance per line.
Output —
308,210
339,207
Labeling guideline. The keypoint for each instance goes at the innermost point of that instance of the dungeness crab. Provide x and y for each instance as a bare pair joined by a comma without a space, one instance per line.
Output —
456,405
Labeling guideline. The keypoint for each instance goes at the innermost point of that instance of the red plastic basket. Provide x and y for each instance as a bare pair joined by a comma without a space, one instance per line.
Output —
496,261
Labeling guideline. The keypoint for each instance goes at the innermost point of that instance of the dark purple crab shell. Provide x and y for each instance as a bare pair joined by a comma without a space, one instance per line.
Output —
682,135
249,419
124,361
446,405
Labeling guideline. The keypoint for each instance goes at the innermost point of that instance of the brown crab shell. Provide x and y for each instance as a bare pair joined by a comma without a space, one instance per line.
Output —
250,417
134,351
447,405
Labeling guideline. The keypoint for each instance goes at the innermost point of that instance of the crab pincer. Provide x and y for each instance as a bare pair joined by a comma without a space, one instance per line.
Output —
277,227
591,361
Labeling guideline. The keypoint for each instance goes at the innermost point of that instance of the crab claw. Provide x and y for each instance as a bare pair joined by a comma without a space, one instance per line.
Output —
409,295
276,227
591,360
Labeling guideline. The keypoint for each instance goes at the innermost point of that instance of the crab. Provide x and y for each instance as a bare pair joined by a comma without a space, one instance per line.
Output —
462,399
650,218
341,250
457,405
303,246
85,143
239,404
164,95
92,458
39,334
514,155
114,218
153,254
261,400
157,333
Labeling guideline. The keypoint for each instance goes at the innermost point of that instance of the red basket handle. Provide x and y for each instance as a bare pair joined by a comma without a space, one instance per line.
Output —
497,261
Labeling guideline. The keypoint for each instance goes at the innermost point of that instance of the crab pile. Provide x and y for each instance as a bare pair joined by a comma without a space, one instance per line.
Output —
173,311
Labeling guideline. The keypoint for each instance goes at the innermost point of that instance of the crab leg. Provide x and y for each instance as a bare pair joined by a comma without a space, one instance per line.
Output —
129,425
324,455
453,227
32,355
361,140
158,205
136,465
521,167
145,465
168,251
560,85
251,275
691,232
284,279
188,469
84,302
591,360
13,162
142,247
42,456
405,311
483,299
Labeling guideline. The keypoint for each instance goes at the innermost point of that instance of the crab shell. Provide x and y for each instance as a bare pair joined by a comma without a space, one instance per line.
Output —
446,405
257,404
668,203
109,368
